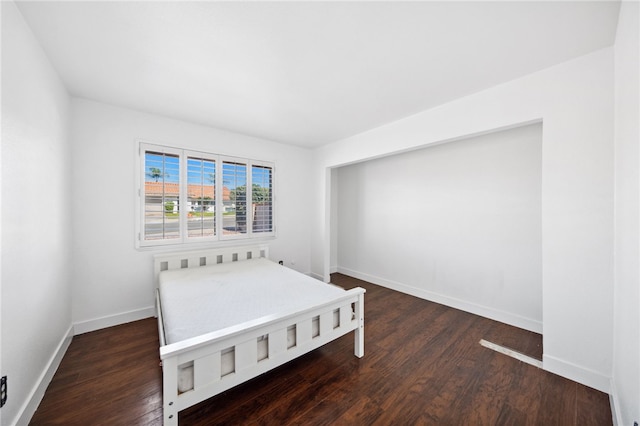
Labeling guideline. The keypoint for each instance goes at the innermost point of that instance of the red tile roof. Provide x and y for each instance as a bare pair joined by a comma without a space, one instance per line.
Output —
195,191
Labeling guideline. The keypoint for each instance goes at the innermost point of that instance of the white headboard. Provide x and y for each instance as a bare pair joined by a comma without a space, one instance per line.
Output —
195,259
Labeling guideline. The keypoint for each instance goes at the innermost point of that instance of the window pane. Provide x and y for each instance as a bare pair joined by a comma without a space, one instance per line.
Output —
201,197
162,192
234,198
262,198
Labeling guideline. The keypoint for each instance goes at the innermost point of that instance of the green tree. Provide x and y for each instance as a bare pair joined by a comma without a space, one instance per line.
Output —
260,194
155,173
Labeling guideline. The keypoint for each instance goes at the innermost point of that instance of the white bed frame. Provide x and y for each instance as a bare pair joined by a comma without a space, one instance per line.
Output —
205,351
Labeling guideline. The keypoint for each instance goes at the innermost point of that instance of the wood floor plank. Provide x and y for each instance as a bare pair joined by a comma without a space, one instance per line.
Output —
423,365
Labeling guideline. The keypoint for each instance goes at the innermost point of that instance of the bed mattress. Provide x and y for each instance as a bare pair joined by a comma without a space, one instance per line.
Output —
196,301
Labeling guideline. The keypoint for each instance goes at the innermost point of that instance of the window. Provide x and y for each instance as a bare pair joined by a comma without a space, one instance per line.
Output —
234,175
189,197
162,196
262,198
201,197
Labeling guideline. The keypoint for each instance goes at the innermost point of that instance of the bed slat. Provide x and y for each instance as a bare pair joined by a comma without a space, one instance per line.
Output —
193,262
326,323
206,370
174,264
246,355
303,332
277,342
345,316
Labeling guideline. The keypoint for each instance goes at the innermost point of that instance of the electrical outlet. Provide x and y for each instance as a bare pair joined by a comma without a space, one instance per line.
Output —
3,391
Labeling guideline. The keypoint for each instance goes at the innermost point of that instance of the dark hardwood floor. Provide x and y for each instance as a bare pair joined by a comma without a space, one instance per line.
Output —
423,365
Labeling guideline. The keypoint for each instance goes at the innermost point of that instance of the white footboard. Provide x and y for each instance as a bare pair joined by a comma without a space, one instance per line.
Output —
287,337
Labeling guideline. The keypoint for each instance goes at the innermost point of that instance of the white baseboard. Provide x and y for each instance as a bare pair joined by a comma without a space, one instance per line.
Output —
111,320
316,276
30,406
577,373
483,311
615,405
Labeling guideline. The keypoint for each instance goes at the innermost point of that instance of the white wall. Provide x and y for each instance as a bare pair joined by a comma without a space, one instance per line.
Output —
626,351
575,102
36,219
112,281
458,223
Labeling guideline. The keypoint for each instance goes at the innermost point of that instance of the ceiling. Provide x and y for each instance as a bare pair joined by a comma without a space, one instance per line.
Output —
306,73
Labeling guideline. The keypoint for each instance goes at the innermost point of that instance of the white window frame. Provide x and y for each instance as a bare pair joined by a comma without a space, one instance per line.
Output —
184,239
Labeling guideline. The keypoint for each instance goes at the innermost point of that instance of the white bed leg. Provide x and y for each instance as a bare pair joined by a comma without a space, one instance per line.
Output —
170,391
359,332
